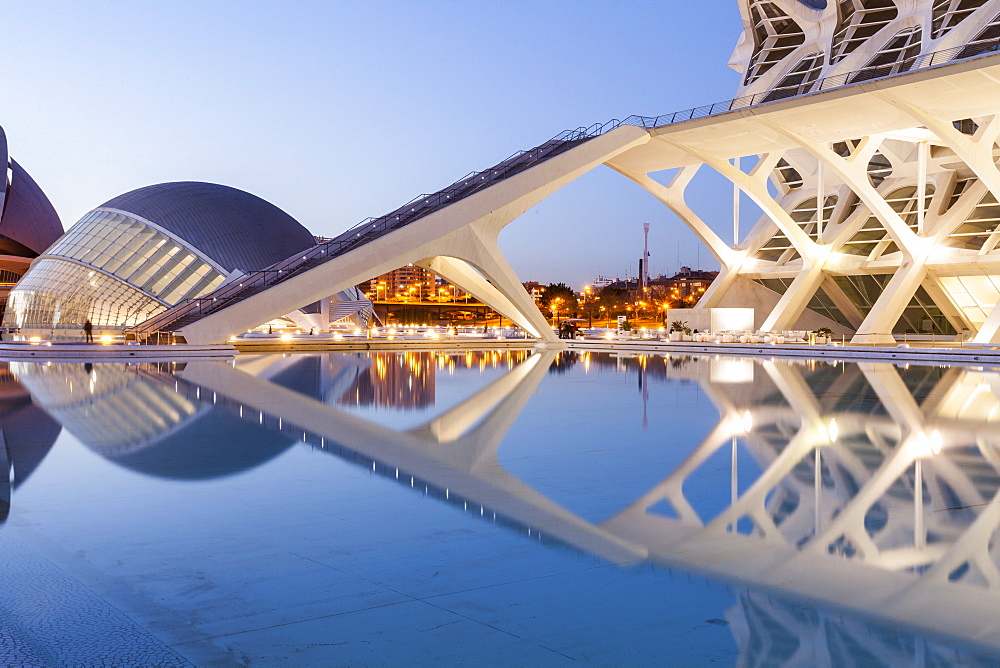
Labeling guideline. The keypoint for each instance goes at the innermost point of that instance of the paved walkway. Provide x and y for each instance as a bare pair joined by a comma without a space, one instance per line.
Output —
48,618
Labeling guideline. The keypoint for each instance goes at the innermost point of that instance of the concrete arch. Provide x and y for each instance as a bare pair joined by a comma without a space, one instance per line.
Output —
463,232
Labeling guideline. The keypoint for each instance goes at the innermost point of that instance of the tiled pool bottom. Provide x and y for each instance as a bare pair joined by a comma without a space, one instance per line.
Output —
223,525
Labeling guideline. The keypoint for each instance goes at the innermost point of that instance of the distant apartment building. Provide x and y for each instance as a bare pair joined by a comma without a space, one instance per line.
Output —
535,289
403,382
410,283
687,284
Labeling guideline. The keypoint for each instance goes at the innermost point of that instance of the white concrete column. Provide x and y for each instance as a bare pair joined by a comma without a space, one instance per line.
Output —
673,196
820,201
976,151
719,287
736,206
324,310
461,274
923,148
877,326
755,186
853,171
989,331
842,302
791,305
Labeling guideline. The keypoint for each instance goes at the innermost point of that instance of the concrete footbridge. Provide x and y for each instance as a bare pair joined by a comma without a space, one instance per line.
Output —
454,232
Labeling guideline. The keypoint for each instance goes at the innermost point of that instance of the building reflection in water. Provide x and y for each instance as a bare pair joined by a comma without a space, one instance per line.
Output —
137,416
878,489
406,380
27,434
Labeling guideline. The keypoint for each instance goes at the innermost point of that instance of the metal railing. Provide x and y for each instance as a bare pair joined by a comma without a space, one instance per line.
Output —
868,73
366,231
373,228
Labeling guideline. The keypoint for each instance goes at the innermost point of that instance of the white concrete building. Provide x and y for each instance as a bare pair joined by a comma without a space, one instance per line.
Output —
923,258
885,110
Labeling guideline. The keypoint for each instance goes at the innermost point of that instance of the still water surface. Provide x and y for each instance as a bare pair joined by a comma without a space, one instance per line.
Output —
499,508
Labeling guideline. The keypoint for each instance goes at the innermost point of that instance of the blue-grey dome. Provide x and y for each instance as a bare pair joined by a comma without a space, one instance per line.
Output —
814,4
236,229
29,220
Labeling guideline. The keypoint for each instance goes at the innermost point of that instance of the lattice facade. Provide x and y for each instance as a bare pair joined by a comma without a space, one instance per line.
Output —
945,200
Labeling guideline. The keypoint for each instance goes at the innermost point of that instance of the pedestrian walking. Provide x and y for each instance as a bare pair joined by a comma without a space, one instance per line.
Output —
88,330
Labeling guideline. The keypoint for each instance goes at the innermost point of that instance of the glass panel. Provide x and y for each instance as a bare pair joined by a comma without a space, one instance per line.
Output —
130,250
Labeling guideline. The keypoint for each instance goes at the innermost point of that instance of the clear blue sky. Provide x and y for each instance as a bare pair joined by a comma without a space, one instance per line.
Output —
336,110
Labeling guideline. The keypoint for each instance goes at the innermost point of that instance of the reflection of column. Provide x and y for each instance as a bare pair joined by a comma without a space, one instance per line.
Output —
465,467
817,491
919,536
671,488
734,486
644,387
4,480
452,424
457,452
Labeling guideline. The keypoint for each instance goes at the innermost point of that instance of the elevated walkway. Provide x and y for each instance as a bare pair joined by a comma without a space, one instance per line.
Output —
372,229
453,232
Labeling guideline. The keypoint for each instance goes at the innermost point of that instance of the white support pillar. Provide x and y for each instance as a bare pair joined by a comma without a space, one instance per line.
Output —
923,148
721,285
853,171
794,301
324,310
736,206
791,305
989,331
673,197
755,186
484,273
730,259
460,274
877,327
820,200
975,151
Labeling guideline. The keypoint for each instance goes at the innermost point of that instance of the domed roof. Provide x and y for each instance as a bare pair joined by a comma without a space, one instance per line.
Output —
236,229
29,223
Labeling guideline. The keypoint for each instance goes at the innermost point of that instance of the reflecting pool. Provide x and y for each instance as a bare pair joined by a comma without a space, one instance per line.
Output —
499,508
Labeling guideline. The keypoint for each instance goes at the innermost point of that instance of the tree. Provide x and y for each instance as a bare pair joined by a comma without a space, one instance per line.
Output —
614,300
559,297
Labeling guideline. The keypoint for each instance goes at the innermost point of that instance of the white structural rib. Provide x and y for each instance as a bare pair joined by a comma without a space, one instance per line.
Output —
459,241
465,232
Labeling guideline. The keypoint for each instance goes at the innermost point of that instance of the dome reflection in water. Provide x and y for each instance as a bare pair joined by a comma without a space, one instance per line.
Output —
27,435
842,502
